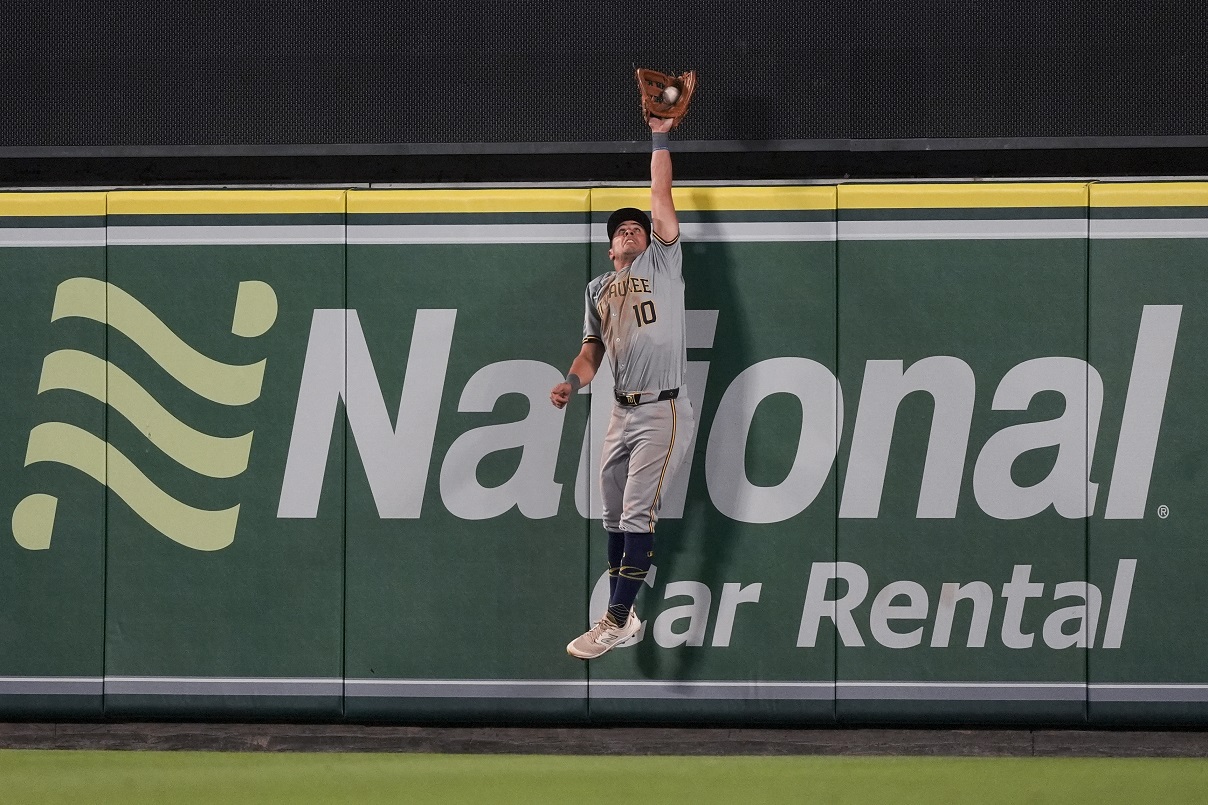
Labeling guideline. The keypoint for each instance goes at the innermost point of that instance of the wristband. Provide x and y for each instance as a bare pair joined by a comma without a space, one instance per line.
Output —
659,141
575,383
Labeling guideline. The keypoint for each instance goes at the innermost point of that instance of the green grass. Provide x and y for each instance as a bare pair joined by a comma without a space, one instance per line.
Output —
89,778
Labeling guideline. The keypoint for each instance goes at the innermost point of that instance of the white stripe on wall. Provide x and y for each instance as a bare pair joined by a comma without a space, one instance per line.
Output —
222,686
51,685
1026,229
1149,693
599,689
225,235
700,232
760,691
961,691
469,688
1125,228
51,237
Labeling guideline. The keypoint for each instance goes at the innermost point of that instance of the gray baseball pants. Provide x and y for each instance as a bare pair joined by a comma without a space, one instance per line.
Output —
643,448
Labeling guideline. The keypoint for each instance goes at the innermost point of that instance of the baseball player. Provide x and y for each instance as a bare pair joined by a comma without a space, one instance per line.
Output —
635,314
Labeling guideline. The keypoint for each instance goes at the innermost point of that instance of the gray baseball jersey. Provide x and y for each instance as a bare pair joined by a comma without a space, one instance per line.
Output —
638,315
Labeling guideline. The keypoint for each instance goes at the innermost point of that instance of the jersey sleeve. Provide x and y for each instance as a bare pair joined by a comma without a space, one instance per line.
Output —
591,318
667,255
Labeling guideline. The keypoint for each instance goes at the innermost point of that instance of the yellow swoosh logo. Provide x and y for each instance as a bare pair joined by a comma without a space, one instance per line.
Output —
224,383
212,456
200,529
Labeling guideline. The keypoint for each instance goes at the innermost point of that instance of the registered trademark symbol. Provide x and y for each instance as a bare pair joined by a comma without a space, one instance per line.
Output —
1163,511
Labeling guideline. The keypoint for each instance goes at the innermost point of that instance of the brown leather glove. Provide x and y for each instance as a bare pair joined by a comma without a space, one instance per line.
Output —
655,99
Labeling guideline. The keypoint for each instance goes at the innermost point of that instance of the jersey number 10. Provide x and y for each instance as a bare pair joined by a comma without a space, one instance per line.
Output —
645,313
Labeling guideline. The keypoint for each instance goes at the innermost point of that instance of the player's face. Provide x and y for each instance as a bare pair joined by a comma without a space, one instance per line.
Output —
629,240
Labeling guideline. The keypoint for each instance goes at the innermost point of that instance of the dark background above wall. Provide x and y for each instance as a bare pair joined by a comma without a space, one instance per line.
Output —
372,91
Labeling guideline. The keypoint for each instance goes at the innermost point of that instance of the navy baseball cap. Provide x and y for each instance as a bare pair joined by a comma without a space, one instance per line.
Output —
628,214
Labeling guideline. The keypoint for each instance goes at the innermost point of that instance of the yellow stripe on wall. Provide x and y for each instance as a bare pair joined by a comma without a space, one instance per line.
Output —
484,200
51,204
1150,194
704,199
604,199
225,202
961,196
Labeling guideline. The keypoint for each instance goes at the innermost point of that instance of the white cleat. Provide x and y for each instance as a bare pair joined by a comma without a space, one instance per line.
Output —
603,636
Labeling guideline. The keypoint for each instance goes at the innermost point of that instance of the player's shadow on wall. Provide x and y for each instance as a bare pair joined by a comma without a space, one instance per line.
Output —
699,546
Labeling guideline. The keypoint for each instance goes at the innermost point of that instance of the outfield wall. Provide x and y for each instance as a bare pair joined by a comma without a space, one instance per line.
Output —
289,454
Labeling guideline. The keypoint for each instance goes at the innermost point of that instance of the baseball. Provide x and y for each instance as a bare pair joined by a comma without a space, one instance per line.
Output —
670,94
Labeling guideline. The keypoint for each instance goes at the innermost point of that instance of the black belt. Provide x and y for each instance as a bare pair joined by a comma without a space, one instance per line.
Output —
636,397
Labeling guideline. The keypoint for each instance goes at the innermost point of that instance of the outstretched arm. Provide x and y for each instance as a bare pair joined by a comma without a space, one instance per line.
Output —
584,368
662,208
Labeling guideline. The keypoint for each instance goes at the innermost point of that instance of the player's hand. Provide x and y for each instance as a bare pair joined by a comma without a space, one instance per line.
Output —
660,125
560,395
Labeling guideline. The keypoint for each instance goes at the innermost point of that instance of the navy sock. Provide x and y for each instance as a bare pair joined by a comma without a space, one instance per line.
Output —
616,550
639,554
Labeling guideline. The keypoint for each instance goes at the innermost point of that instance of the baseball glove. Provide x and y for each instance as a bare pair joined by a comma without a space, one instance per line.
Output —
665,95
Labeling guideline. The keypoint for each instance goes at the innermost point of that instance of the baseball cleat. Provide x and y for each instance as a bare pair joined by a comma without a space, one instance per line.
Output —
603,636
